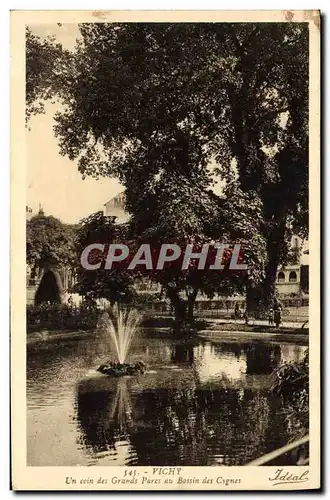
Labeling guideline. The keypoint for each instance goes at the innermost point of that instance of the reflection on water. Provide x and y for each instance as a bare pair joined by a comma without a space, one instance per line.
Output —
188,427
203,404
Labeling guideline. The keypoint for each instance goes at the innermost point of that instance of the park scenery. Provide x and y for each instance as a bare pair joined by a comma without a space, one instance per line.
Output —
167,244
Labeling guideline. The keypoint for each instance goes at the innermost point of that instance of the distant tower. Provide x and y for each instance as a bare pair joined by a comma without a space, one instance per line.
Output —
41,211
29,212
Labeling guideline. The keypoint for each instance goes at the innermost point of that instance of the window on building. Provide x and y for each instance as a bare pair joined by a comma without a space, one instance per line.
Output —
293,277
281,276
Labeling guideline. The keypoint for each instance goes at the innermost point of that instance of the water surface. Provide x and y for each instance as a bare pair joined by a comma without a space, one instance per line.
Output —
203,404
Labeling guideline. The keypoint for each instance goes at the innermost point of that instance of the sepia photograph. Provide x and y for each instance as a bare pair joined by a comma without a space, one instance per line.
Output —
166,301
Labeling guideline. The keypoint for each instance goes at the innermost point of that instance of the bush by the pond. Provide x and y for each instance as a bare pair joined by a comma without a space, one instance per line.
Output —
153,321
291,382
61,317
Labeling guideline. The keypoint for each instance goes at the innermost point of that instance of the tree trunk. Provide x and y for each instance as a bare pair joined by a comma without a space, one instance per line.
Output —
259,298
183,311
177,303
268,285
191,304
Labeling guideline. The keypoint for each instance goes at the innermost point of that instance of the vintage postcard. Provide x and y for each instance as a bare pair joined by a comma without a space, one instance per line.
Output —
165,290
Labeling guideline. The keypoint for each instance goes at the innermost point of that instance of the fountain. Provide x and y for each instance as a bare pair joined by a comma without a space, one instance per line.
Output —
117,332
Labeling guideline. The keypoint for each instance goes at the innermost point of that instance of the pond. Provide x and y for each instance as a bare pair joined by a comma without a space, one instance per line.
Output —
207,403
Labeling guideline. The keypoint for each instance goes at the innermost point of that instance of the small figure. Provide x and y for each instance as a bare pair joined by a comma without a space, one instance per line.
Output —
246,317
277,305
278,317
237,311
271,317
278,313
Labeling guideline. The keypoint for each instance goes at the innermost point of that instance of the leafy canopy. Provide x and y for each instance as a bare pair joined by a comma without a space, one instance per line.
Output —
166,105
116,285
49,241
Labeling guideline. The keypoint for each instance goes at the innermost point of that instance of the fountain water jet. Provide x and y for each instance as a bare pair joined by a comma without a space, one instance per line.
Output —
117,331
122,327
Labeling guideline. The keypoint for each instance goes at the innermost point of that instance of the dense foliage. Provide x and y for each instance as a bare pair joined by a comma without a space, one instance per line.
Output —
43,58
181,213
291,382
49,242
115,285
61,317
181,103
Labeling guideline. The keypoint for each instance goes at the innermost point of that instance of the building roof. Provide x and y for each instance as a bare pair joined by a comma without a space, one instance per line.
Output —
119,198
115,207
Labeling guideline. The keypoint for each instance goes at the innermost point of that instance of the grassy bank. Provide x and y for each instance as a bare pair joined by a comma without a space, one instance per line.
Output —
225,326
239,327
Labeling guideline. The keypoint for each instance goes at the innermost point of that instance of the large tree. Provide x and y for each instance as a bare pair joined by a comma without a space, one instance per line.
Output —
142,101
268,106
176,211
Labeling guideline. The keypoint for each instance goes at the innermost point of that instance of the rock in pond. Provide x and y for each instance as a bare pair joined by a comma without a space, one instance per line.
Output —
121,369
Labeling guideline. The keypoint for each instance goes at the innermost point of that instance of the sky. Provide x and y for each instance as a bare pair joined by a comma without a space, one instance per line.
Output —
53,181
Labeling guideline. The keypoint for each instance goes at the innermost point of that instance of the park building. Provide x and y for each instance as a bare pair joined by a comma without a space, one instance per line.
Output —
115,207
292,280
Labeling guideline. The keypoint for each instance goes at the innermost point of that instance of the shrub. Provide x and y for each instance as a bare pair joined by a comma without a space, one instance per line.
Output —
291,382
61,317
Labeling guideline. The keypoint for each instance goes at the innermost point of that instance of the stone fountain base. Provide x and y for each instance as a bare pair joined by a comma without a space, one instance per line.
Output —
121,369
